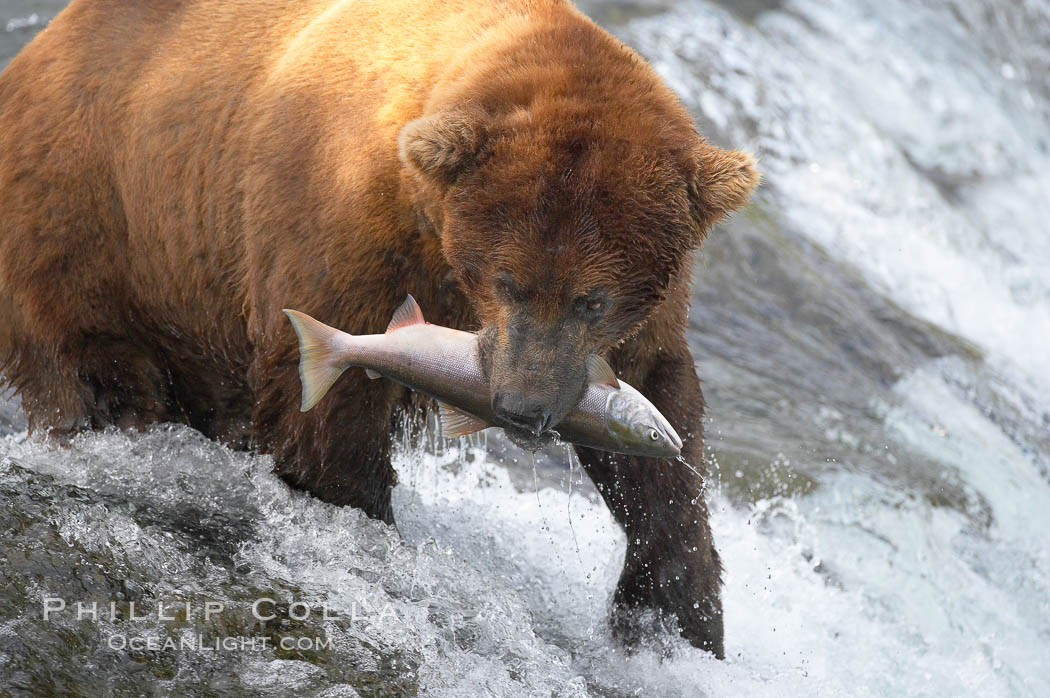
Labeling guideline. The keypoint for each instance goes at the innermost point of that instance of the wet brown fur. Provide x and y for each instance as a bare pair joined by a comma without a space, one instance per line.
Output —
172,174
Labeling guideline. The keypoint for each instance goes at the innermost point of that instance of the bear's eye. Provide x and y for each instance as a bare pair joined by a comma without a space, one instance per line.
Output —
590,306
507,288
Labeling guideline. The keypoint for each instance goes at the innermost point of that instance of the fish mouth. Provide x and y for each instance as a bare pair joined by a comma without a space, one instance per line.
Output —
676,440
672,436
528,439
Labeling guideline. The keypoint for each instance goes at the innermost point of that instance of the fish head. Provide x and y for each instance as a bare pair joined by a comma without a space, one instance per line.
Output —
640,428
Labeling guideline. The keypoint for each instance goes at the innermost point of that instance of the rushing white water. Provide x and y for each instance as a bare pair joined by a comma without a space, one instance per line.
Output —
909,141
856,590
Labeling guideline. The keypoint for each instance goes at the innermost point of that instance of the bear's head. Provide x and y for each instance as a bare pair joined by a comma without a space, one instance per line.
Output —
565,229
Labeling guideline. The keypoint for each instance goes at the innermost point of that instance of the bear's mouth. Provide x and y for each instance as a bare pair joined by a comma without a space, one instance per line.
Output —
528,440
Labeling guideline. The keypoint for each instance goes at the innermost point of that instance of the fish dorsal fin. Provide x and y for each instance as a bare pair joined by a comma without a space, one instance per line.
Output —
455,422
600,372
408,314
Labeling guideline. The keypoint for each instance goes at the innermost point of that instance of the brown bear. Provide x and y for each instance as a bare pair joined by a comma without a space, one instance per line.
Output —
173,173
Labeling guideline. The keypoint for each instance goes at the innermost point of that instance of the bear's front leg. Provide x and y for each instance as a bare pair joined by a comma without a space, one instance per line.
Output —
340,450
671,568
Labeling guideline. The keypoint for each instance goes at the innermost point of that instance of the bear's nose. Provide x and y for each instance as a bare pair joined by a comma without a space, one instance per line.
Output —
517,410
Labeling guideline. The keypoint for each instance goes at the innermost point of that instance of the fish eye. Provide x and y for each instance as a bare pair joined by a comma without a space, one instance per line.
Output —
654,435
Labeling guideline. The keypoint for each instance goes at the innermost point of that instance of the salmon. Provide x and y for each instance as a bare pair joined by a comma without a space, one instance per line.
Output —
444,364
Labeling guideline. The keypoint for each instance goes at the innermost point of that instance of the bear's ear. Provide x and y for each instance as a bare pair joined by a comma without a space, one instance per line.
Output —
442,147
723,183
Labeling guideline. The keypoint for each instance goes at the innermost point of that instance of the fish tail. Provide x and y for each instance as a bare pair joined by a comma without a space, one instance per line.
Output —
319,365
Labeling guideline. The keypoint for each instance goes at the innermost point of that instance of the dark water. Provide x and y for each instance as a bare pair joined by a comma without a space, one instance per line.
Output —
872,336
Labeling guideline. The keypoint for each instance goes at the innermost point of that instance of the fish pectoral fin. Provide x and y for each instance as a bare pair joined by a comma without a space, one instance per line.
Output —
406,315
599,371
373,374
455,422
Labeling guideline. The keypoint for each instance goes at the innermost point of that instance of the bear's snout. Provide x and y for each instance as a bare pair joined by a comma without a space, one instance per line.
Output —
537,374
527,412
